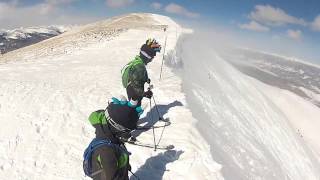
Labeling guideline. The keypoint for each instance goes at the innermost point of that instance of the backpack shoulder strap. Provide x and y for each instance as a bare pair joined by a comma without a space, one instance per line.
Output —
87,155
137,60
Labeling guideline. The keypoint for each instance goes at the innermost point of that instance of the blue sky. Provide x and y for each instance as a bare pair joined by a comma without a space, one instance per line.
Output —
290,25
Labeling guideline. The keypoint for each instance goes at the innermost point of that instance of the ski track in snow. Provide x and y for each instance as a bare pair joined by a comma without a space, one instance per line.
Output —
45,102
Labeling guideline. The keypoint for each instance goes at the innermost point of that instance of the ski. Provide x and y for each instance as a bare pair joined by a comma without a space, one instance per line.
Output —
168,123
165,120
137,143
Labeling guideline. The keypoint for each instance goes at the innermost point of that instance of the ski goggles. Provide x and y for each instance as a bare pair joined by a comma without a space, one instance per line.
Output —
154,45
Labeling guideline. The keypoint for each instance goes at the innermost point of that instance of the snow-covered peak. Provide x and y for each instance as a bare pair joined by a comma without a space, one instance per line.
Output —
82,36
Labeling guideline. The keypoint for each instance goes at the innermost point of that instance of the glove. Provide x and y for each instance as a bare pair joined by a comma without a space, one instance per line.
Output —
132,139
148,81
125,136
148,94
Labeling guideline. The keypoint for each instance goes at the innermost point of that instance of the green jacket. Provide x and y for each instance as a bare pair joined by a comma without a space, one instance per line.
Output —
138,76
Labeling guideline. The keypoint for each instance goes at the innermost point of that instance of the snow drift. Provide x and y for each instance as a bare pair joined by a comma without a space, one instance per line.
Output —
249,135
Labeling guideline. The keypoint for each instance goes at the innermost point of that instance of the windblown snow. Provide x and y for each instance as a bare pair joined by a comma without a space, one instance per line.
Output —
254,130
224,125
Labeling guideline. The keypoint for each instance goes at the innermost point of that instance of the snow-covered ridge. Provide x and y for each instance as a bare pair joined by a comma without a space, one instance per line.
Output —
45,102
83,36
50,98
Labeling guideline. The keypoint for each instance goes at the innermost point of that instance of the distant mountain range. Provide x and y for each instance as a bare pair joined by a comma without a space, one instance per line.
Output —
14,39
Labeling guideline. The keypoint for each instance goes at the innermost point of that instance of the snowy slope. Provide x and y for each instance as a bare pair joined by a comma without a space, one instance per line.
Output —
252,133
225,125
45,99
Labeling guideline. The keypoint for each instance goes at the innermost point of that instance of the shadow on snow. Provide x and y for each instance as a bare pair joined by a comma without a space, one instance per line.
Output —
152,116
155,167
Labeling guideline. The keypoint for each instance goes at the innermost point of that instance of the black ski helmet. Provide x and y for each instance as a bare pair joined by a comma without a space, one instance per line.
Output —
123,114
149,50
147,53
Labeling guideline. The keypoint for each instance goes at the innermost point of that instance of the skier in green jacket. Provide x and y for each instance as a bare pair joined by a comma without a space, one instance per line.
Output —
134,74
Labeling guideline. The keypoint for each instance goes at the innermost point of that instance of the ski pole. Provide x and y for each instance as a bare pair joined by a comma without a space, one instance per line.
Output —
160,117
134,175
164,51
154,136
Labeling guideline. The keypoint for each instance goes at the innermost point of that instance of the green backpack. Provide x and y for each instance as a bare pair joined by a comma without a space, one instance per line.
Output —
126,70
98,117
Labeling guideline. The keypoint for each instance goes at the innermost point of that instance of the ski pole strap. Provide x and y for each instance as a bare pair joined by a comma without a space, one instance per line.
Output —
96,173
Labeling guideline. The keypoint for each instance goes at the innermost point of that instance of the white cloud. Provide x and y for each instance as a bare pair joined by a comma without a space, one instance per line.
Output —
59,1
316,24
156,5
294,34
119,3
11,2
13,16
254,26
177,9
272,16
